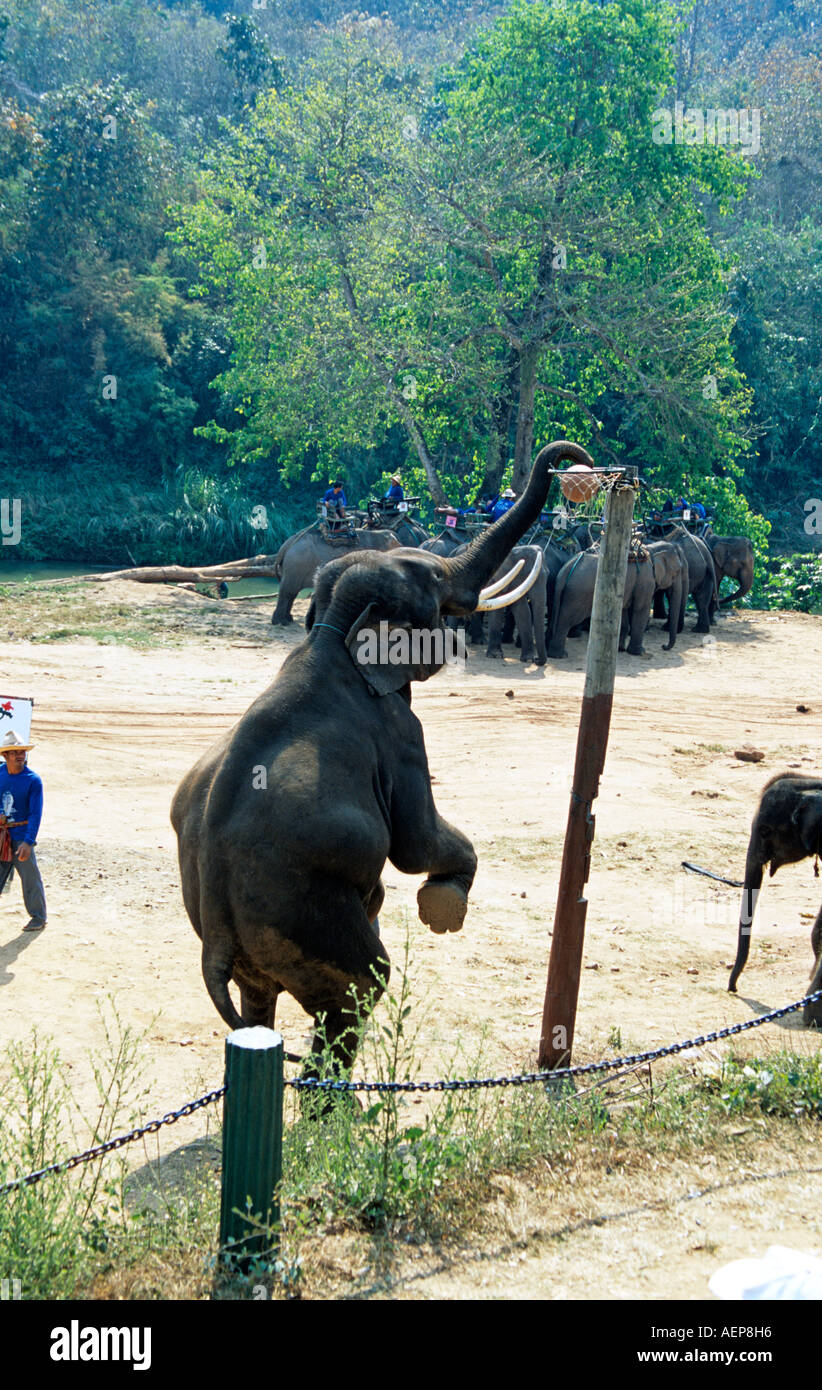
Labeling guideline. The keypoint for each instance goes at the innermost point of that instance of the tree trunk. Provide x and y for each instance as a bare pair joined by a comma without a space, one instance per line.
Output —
529,357
259,567
396,396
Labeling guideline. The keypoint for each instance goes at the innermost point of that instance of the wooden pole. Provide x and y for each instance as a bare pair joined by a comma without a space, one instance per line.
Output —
559,1014
252,1143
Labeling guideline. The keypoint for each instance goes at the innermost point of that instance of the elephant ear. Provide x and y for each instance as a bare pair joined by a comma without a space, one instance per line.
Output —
384,653
808,821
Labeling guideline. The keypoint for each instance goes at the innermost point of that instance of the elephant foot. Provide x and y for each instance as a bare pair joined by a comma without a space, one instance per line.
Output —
442,905
636,651
495,653
281,622
526,656
701,627
540,661
557,653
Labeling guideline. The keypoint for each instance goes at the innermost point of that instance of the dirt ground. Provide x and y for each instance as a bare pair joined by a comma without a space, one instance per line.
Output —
116,728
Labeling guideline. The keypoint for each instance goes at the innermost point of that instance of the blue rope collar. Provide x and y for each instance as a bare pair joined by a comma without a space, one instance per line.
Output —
331,625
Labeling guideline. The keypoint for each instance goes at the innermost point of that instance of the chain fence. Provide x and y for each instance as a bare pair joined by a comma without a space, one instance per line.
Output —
304,1083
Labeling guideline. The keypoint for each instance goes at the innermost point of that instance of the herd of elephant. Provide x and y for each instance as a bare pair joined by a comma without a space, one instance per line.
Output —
282,872
556,599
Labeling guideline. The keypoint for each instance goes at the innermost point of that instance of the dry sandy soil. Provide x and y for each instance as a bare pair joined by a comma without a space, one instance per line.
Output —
117,727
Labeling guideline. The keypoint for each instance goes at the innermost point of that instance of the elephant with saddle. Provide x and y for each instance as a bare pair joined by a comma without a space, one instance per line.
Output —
299,557
787,828
733,558
285,825
574,599
701,580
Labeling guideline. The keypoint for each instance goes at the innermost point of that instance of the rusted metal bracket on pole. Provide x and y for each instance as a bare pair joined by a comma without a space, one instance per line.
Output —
559,1015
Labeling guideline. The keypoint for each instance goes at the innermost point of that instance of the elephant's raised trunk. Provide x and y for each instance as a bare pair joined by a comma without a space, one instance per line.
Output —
469,571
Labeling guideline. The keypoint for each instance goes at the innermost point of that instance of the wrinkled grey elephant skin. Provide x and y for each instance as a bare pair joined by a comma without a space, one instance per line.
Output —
700,582
285,825
574,599
787,827
671,577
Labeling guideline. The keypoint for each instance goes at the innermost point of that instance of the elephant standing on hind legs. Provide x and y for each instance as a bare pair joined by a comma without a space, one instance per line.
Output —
285,825
787,827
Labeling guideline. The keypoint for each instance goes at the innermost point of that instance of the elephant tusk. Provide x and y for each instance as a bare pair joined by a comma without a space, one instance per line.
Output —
505,600
500,584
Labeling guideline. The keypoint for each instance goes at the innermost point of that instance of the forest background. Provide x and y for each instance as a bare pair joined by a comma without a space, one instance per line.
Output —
244,249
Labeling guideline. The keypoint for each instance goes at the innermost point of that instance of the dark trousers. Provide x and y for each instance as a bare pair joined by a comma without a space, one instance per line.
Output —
34,894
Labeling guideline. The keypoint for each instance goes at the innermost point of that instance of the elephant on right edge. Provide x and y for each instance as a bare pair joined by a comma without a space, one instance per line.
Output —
787,827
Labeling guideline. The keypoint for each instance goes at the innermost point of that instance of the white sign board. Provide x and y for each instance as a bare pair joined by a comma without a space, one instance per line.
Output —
15,713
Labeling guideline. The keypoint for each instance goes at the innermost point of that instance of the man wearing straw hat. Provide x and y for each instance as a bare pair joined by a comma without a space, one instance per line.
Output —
396,492
21,807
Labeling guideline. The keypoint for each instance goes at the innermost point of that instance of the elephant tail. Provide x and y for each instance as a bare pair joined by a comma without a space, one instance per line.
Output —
219,943
750,893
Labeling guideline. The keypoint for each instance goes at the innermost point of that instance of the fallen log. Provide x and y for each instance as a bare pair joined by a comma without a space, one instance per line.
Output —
258,567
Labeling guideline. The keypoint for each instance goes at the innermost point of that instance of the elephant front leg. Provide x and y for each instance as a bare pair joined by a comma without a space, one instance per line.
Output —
496,622
449,859
442,901
525,626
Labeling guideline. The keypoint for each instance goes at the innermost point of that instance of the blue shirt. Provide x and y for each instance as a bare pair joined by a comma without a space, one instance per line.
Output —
503,505
395,493
332,496
21,798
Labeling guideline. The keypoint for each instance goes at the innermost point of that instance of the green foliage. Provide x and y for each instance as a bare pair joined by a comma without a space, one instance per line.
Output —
409,171
795,581
195,518
782,1084
53,1232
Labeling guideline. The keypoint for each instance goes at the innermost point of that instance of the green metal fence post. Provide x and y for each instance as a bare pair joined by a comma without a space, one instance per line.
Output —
252,1143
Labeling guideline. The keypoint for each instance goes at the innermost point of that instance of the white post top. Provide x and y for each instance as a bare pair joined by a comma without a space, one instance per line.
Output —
259,1038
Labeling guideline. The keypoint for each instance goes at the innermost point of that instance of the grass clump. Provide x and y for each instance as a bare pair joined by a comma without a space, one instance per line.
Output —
53,1232
783,1084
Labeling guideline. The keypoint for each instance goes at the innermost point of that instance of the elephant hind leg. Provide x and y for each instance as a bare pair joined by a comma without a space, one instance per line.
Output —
281,617
338,980
258,1006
